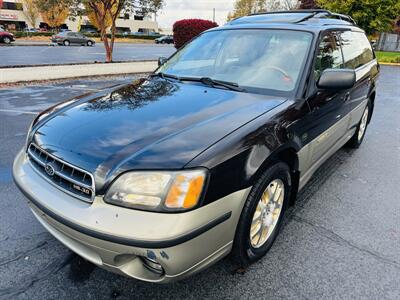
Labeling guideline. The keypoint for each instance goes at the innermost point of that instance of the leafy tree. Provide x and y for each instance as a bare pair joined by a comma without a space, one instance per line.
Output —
91,14
53,12
308,4
371,15
274,5
104,13
247,7
31,12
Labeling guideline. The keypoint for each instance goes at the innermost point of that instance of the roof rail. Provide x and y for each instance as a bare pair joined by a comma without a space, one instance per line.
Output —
302,11
342,17
313,13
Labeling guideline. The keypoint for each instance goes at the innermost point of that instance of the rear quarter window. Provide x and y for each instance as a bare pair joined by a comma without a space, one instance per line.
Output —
356,49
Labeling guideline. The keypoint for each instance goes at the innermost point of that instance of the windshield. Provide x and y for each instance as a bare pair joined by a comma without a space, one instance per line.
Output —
258,60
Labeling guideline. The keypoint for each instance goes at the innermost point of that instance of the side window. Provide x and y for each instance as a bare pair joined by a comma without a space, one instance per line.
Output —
356,48
329,54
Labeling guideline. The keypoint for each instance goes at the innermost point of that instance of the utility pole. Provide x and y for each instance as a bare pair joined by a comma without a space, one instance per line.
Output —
214,14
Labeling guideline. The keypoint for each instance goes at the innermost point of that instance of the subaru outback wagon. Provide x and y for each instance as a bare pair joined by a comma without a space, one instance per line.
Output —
162,177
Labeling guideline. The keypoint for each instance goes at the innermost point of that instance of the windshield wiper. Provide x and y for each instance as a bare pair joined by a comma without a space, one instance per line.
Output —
204,80
214,82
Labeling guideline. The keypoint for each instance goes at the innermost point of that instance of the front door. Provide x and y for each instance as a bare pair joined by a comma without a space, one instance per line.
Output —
81,38
73,38
328,118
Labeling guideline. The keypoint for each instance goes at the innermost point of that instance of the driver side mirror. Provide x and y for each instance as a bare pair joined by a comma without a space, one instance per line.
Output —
162,60
337,79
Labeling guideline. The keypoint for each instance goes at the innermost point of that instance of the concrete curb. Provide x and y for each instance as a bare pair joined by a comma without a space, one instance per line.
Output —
27,44
14,75
389,64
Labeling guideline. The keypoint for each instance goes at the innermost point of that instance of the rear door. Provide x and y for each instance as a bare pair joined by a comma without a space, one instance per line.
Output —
328,119
358,55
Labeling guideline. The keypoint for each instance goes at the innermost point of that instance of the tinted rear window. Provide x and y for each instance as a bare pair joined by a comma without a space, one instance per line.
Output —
356,48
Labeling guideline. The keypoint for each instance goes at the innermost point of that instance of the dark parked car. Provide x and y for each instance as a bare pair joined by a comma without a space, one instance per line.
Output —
88,30
162,177
67,38
6,37
166,39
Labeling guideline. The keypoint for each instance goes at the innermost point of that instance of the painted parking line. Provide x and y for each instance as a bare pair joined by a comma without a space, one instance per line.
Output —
18,111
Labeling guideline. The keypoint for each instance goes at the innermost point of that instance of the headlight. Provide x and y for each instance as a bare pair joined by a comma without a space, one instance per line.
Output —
158,190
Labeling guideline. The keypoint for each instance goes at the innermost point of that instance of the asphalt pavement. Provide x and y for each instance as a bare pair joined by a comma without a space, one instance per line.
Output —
341,240
38,55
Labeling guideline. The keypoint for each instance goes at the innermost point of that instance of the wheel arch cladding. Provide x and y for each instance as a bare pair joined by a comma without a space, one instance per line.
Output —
372,100
287,155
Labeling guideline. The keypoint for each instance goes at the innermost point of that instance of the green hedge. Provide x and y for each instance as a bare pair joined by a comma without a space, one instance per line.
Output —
19,34
140,37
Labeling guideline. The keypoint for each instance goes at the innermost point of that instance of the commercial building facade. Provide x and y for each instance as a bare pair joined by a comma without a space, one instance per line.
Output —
12,18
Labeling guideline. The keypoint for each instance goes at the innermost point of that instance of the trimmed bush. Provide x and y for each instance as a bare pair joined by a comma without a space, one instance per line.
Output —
20,34
130,36
185,30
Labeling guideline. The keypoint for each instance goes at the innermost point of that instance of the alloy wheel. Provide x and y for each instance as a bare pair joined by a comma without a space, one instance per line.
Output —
363,124
267,213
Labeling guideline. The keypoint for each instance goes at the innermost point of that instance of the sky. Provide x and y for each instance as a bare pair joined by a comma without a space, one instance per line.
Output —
185,9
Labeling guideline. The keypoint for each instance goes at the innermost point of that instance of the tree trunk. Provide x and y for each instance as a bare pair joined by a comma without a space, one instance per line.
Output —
108,48
104,38
103,31
113,28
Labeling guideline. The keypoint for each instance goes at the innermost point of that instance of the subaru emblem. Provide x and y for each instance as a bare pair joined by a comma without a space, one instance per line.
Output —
49,169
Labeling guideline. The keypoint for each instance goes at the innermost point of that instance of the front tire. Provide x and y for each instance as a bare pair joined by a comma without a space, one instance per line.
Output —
262,215
66,43
89,43
359,135
7,40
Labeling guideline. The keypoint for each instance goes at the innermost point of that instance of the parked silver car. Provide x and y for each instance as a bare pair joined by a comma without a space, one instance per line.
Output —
68,37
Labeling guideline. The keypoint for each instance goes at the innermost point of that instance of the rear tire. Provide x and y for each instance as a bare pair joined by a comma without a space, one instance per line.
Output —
358,137
260,214
66,43
89,43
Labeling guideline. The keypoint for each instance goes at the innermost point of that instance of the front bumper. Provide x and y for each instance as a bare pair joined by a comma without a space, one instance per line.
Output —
117,238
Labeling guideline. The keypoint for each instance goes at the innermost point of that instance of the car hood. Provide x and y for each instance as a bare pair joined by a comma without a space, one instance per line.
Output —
149,124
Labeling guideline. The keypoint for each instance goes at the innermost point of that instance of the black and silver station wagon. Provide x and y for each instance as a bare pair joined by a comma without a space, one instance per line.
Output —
162,177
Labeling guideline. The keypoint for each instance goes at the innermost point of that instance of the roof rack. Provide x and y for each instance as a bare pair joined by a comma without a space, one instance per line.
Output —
302,11
312,13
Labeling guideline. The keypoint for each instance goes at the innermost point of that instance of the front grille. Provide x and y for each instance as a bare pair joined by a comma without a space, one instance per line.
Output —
70,179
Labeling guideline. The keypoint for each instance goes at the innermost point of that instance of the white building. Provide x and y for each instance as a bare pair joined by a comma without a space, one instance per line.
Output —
12,17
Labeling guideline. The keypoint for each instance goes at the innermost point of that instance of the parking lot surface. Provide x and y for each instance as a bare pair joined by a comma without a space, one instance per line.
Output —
37,55
341,240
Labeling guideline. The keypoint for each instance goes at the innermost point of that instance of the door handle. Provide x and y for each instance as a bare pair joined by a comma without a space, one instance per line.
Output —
346,96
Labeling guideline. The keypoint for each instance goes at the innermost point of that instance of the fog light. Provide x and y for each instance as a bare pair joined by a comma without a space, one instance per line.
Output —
153,265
